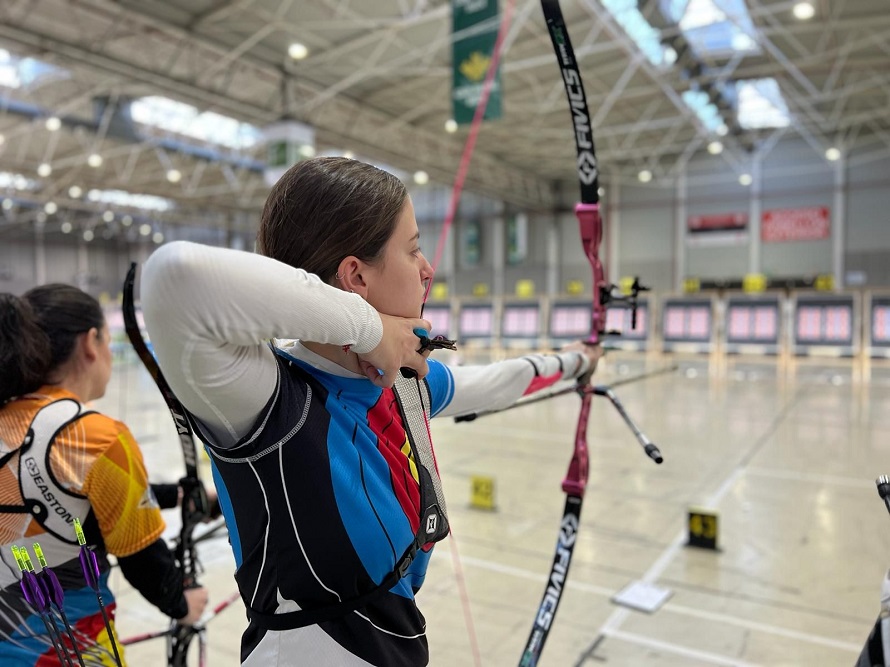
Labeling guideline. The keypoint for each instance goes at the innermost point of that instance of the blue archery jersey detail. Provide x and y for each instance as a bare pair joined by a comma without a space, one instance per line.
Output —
441,384
362,478
322,498
225,504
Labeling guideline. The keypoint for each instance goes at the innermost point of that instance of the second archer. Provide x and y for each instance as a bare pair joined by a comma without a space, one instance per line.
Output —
60,460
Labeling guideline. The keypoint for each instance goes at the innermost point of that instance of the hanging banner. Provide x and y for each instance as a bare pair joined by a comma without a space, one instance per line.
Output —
517,239
474,29
472,233
717,222
717,229
287,142
796,224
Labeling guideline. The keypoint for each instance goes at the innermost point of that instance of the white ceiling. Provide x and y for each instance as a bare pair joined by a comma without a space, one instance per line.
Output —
377,82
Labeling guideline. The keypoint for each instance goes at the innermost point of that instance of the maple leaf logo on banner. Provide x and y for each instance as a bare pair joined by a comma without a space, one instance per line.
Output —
475,67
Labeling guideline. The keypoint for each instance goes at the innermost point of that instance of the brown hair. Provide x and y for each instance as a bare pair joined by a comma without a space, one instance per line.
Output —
328,208
37,334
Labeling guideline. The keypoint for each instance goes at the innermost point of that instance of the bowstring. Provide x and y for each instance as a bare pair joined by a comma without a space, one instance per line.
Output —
451,212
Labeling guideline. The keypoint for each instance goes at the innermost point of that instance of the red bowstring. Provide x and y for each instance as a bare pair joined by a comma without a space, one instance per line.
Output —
456,190
470,144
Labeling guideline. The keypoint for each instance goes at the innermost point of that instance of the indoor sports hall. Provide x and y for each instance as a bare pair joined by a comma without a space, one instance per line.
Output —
700,187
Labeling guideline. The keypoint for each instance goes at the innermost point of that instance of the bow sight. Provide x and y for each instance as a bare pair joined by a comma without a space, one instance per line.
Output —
628,296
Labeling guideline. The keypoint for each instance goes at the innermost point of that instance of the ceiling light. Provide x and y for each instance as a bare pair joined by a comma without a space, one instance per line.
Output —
306,151
158,237
75,192
804,11
645,176
50,207
421,177
601,192
44,170
7,204
349,155
94,160
742,42
451,126
297,51
66,227
722,130
94,194
53,123
127,220
174,175
715,148
108,216
745,179
144,229
2,139
88,235
832,154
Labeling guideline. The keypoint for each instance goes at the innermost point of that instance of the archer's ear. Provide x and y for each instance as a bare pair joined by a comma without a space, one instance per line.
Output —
350,275
89,344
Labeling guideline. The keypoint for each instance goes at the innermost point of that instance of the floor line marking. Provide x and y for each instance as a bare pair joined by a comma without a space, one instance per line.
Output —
793,475
617,618
676,649
673,607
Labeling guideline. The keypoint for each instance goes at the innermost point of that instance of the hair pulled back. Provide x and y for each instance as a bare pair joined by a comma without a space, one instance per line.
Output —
324,209
37,334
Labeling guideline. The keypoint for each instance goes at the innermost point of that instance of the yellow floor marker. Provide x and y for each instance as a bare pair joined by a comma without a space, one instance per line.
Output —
482,492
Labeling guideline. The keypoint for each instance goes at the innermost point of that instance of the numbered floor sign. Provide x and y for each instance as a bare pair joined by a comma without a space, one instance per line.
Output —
703,526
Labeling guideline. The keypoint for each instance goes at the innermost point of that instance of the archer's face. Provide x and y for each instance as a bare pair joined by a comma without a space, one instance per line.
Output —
100,368
397,283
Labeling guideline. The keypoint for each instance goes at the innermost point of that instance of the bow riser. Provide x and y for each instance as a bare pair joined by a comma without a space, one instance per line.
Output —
591,226
591,229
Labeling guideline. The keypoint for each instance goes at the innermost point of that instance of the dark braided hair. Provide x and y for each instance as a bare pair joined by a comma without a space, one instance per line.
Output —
37,334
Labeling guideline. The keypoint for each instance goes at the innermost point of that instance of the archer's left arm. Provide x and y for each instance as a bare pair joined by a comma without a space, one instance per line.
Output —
463,389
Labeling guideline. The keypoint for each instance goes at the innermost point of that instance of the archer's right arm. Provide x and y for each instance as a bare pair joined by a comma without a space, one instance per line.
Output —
210,313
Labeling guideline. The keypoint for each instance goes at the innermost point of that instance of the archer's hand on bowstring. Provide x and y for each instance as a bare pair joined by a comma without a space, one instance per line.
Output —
196,600
398,348
592,353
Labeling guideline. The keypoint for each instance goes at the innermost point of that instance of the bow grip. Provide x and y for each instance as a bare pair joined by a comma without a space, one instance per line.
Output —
591,227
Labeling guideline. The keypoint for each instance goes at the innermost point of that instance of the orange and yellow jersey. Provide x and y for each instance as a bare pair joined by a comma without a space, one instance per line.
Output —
95,462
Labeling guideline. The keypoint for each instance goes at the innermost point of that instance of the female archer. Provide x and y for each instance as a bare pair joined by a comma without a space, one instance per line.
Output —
289,363
60,460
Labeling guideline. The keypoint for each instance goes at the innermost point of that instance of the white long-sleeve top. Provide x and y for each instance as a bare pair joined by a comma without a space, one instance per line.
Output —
211,312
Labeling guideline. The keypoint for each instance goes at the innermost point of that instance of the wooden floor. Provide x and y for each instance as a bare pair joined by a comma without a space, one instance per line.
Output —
789,465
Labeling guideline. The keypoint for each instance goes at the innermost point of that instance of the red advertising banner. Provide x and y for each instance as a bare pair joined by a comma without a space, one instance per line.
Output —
796,224
718,222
